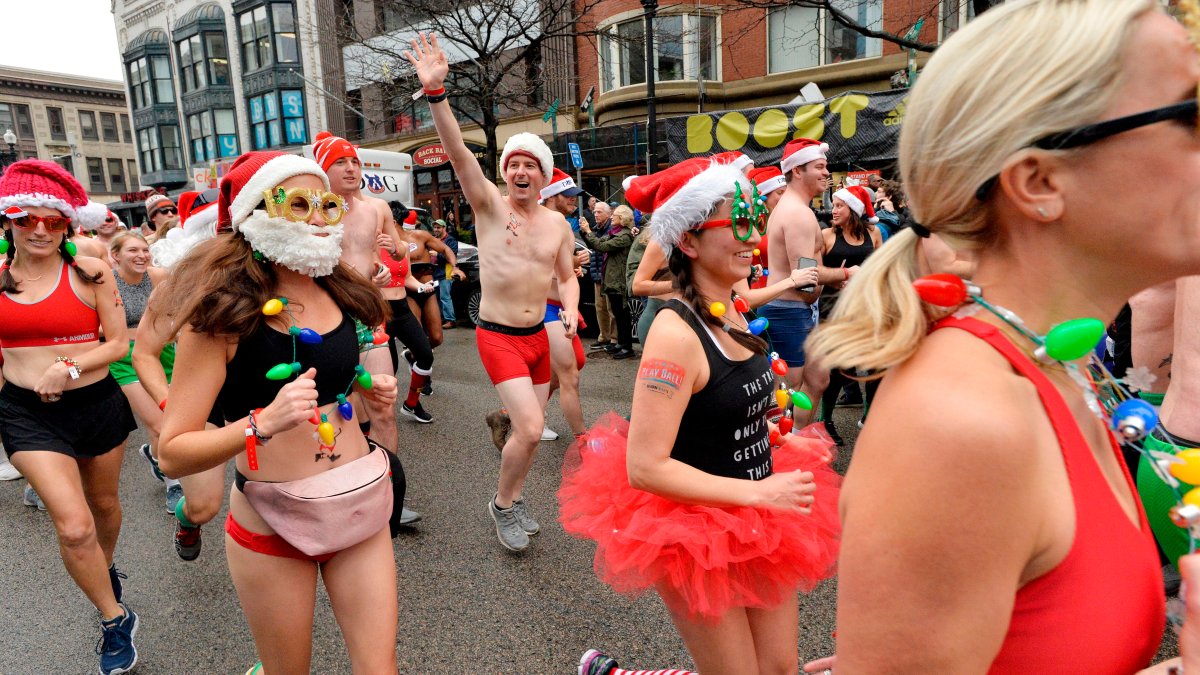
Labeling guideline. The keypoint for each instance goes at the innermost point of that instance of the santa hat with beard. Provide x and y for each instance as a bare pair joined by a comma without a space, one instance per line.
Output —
199,225
293,245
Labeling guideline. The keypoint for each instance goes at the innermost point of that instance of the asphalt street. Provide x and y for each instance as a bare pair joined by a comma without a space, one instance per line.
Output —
466,604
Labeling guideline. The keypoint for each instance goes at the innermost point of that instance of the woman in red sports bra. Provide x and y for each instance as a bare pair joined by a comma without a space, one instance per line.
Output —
63,418
989,522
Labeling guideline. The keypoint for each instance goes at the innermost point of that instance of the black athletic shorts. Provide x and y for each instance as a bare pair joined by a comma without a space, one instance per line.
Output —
85,422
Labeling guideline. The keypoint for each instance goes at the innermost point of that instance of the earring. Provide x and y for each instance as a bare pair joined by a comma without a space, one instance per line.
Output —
1041,212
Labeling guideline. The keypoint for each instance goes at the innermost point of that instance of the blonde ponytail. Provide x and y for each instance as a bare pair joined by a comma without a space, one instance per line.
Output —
1021,71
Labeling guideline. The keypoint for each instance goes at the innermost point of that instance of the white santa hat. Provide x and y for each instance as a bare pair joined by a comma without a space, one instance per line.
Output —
684,196
91,215
800,152
531,146
859,201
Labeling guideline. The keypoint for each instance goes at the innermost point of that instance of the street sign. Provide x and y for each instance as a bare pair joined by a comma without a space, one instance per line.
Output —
915,30
586,104
552,112
576,157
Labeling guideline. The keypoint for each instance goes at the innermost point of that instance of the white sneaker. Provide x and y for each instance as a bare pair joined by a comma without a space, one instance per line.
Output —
8,471
549,434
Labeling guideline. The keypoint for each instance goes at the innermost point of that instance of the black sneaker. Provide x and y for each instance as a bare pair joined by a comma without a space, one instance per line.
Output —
408,356
623,353
187,541
833,433
114,577
116,650
597,346
417,412
144,451
612,347
427,390
594,662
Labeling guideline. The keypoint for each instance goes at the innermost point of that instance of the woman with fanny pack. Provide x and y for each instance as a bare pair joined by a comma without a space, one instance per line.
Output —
273,326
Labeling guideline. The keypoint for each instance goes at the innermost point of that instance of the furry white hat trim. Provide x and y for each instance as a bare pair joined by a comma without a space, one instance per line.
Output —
274,172
38,199
694,203
91,215
531,144
803,156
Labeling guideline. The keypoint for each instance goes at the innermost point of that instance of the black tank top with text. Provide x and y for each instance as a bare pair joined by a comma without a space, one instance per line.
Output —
724,430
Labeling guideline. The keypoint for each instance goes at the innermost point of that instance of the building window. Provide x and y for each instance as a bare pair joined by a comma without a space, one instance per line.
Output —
116,175
192,75
218,57
58,130
126,134
277,119
87,125
16,117
65,162
685,48
95,167
955,13
108,127
213,135
150,81
159,148
203,60
804,37
134,179
268,32
408,117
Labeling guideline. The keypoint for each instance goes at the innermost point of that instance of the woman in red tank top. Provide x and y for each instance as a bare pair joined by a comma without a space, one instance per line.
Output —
63,418
989,522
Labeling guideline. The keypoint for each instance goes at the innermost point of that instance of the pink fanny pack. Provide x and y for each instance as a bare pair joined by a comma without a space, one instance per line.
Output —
330,511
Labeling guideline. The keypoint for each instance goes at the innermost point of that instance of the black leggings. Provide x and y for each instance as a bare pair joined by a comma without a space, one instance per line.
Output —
404,327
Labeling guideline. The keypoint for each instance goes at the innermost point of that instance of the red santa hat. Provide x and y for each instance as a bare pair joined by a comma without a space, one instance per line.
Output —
254,173
683,196
36,182
859,201
768,179
328,149
800,152
560,184
531,146
740,160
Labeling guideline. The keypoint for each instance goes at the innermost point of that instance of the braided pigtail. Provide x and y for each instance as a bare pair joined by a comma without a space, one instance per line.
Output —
70,259
681,266
7,283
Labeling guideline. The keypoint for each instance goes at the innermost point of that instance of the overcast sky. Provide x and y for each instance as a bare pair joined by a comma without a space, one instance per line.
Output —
76,37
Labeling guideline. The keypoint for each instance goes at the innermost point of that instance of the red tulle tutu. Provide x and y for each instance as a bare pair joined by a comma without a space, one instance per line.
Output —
716,558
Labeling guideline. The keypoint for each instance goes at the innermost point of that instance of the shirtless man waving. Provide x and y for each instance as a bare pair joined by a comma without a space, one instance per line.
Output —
521,247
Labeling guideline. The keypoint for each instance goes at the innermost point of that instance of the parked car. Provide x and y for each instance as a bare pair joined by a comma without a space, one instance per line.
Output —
466,293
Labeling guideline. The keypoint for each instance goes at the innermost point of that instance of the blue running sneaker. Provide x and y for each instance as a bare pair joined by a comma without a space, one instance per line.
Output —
116,650
144,451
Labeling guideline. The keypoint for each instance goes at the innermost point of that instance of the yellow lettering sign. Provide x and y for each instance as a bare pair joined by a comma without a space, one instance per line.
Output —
771,128
808,122
847,107
699,134
732,130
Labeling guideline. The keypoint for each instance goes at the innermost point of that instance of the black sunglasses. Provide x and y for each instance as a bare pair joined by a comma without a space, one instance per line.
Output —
1091,133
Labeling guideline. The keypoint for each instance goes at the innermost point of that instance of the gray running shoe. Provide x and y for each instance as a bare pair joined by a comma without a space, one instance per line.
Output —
525,518
408,516
31,498
508,529
174,494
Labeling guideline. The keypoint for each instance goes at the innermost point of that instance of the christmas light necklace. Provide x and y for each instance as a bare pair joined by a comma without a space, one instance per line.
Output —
325,434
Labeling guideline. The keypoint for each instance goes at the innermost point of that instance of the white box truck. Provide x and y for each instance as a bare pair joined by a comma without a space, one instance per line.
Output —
386,175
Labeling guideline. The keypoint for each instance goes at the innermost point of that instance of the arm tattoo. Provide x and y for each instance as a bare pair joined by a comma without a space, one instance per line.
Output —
661,376
1167,361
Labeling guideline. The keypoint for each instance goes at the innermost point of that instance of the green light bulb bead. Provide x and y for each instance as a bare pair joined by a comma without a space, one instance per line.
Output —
363,377
1073,339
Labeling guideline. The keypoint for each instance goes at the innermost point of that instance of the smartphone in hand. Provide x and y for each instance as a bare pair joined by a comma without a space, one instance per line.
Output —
804,263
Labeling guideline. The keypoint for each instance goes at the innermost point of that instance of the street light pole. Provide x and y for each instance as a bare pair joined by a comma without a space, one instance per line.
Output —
651,7
9,157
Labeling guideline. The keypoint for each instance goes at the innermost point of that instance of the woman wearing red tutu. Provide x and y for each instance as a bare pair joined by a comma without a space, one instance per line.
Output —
701,506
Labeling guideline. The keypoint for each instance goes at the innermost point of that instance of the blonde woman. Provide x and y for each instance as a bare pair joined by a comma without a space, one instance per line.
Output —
989,522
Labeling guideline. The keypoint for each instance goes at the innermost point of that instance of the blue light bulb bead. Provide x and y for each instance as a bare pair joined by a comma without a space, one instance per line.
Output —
1134,419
